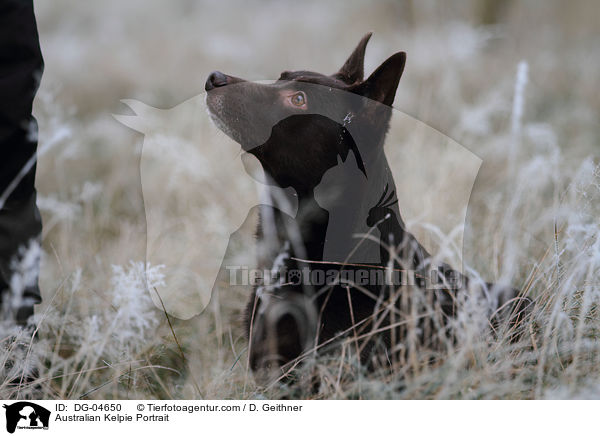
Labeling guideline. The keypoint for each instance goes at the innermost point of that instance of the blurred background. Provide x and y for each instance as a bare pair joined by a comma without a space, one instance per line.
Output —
458,52
515,82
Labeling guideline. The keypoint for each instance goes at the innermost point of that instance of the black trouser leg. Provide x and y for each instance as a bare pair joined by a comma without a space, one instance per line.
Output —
21,68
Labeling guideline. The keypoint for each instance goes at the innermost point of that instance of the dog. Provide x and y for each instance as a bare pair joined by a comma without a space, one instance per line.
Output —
319,139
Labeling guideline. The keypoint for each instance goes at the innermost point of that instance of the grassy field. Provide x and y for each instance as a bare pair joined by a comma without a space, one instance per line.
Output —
516,85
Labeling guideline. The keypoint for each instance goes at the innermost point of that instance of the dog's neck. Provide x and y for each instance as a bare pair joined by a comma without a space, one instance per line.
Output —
331,219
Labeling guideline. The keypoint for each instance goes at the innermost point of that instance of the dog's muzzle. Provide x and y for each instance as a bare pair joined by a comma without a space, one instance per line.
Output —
215,79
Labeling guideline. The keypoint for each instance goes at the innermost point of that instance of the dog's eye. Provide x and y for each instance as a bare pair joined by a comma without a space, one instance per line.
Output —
298,99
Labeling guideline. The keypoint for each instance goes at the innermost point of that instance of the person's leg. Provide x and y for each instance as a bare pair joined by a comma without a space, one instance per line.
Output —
21,68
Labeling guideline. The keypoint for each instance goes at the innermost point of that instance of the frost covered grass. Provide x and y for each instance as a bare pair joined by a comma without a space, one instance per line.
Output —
521,97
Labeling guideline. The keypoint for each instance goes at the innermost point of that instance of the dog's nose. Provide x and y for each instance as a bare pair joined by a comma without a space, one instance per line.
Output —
215,80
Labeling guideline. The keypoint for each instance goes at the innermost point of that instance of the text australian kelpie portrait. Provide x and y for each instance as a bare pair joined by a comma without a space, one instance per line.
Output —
344,268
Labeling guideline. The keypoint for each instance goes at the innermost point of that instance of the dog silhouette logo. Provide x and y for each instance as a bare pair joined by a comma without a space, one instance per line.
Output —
186,160
26,415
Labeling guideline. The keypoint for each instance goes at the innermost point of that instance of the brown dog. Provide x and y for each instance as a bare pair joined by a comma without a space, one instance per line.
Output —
303,128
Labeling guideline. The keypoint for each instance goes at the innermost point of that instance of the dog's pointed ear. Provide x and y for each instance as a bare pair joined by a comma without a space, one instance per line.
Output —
353,69
383,82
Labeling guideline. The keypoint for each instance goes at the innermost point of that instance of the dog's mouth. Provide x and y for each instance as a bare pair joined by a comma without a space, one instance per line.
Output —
215,106
235,117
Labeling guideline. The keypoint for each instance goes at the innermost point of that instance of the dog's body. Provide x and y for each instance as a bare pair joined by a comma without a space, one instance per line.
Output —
323,137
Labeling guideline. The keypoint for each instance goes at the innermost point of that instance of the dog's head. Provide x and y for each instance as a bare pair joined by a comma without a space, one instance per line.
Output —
299,125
